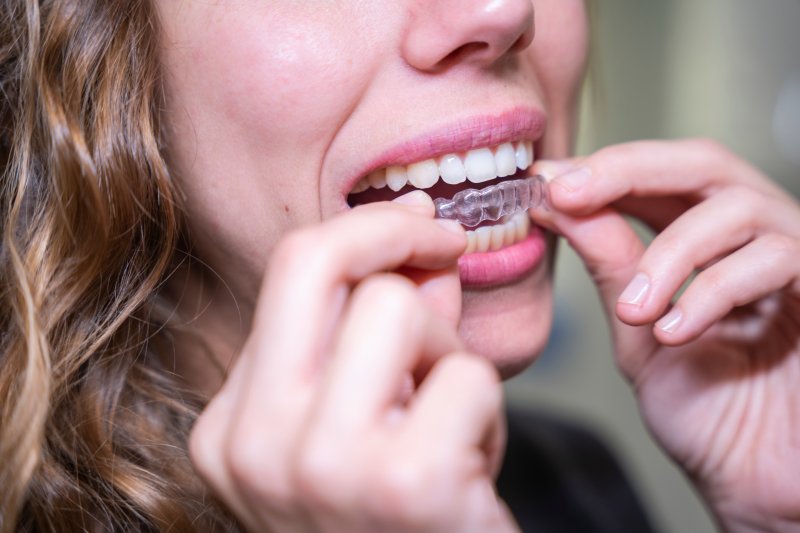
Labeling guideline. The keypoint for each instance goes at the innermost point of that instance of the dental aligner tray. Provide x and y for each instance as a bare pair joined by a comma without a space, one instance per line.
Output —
472,206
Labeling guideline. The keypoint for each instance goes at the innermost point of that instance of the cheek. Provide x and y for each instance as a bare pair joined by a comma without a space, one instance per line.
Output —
273,74
560,49
255,91
262,88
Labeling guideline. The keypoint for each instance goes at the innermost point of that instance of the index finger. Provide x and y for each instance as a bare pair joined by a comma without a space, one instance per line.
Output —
689,168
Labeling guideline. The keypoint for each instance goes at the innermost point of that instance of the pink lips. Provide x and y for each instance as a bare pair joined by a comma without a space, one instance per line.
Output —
474,132
520,123
505,265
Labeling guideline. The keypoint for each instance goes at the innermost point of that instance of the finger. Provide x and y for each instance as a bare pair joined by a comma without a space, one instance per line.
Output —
709,230
656,212
310,275
649,168
207,448
611,251
304,292
387,333
459,407
440,289
767,264
606,243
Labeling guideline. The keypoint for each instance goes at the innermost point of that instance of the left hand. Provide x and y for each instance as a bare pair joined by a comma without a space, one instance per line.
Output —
717,374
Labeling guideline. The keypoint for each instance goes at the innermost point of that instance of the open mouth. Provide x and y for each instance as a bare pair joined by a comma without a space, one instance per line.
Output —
444,176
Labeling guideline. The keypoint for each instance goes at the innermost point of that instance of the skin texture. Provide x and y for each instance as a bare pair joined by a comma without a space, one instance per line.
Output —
274,106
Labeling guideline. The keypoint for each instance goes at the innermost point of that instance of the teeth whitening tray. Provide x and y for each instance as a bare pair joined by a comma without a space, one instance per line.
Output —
472,206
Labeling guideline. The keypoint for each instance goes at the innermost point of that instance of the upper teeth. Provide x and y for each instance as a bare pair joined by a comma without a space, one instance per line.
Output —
477,166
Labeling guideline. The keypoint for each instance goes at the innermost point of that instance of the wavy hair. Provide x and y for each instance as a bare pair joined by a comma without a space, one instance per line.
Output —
93,425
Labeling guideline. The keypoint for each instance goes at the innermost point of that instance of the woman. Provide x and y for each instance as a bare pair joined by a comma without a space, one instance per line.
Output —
178,179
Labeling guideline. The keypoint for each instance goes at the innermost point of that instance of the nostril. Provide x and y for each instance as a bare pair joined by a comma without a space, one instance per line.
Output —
521,44
479,32
463,52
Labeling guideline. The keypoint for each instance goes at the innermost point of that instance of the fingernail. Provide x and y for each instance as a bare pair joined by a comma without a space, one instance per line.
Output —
452,226
552,169
636,291
671,321
574,179
414,198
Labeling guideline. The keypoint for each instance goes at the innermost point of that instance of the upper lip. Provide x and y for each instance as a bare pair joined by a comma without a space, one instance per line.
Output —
521,123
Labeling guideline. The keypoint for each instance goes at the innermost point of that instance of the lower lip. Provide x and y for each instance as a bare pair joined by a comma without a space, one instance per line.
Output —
503,266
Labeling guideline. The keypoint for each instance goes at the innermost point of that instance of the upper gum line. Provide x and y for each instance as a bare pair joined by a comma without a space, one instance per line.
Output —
516,155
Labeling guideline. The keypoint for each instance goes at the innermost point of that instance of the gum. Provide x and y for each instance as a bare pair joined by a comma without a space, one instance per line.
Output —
472,206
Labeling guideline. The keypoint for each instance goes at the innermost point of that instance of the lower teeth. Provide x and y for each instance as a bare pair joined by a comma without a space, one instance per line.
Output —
492,238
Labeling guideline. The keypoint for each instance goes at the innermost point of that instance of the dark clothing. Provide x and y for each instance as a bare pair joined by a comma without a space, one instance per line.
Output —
560,478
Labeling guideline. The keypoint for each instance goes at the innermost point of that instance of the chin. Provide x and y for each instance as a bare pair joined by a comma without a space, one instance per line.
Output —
510,324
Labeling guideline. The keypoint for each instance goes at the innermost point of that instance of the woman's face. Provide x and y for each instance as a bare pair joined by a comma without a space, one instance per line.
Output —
278,108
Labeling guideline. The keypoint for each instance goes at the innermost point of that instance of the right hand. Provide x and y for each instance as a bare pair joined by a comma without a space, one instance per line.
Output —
318,427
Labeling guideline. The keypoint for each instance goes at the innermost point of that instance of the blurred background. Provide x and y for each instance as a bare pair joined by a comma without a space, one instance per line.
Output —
725,69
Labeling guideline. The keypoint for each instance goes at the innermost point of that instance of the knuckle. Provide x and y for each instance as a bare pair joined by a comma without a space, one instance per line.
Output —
748,202
299,250
709,284
475,369
389,293
401,491
667,248
201,450
779,246
483,376
254,470
606,160
319,477
242,459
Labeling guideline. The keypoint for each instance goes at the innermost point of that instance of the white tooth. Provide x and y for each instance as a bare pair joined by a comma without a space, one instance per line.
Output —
377,179
506,160
522,156
483,239
498,237
510,230
396,178
480,165
361,186
529,148
452,169
471,241
523,224
424,174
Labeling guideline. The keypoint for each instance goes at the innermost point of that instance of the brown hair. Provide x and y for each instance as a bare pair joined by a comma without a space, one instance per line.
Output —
93,426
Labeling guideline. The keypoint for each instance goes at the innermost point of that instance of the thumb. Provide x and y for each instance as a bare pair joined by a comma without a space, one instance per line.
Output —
611,251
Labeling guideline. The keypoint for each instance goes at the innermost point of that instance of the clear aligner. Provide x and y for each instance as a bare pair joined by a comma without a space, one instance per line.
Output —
472,206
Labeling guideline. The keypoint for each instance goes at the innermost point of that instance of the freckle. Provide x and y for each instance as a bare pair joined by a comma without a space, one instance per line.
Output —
285,208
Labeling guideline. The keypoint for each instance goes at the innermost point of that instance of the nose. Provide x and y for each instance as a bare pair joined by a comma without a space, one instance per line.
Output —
446,32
